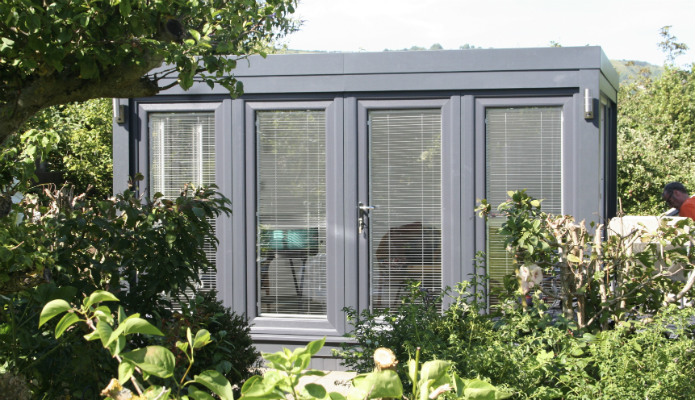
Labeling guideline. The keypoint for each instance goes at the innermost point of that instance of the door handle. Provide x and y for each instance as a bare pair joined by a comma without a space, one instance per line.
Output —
362,218
365,208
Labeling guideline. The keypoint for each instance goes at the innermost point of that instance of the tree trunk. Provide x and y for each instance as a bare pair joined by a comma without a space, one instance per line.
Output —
66,87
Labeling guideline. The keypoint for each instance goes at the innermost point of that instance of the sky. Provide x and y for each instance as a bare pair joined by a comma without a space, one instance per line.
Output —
625,29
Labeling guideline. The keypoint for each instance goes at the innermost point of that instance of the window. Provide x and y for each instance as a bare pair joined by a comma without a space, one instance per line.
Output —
182,151
523,151
405,184
291,212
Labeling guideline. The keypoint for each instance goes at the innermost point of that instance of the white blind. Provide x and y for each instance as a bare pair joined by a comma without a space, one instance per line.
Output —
291,240
182,151
405,188
523,151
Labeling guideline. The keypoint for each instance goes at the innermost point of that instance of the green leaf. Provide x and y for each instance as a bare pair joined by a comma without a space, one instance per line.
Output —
53,308
125,371
573,258
142,326
198,394
91,336
105,332
216,382
314,347
65,322
315,390
99,296
480,390
376,384
202,337
336,396
434,370
155,360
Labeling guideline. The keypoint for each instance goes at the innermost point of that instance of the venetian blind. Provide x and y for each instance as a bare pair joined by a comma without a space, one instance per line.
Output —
291,158
523,151
182,151
406,189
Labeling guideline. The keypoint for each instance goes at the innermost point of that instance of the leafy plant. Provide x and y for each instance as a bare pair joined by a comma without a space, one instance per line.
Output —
146,362
429,381
230,351
136,248
411,326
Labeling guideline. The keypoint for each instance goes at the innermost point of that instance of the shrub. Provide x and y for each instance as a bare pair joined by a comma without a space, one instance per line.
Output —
140,249
230,351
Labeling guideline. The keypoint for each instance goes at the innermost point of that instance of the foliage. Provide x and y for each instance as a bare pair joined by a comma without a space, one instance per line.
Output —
616,336
152,247
537,354
59,52
82,155
656,121
54,368
597,280
151,361
403,330
230,351
429,380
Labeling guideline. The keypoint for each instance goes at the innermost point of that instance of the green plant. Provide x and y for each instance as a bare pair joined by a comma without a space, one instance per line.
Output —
82,154
230,351
147,362
598,280
125,242
429,380
411,326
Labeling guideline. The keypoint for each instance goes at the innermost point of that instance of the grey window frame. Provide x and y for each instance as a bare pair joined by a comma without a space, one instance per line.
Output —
451,185
566,103
300,328
221,110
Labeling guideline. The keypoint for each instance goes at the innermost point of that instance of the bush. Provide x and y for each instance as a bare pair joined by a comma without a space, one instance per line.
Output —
413,324
539,355
65,245
231,350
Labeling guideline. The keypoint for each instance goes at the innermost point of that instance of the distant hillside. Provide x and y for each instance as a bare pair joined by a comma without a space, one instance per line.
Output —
629,70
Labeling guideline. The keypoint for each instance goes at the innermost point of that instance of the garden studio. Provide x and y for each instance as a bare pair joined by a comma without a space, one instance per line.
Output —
351,174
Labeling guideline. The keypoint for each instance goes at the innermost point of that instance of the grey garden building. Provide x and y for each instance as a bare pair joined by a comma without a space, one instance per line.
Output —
351,174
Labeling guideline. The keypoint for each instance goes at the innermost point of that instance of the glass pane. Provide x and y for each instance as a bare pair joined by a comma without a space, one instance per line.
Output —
291,230
523,151
182,151
405,188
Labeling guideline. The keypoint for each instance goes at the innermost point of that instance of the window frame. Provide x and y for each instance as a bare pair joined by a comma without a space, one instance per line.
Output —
565,103
451,185
333,325
143,165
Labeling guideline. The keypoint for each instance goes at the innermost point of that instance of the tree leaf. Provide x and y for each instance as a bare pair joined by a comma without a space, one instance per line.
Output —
376,384
198,394
315,390
65,322
216,382
53,308
202,337
155,360
125,371
99,296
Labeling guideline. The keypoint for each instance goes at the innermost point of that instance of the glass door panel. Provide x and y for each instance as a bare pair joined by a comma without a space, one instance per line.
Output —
291,213
405,191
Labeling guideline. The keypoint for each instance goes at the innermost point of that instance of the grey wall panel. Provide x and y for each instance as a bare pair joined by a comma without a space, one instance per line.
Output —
121,148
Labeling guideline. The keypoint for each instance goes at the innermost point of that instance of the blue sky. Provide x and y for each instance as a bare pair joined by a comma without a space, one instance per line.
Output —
625,29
